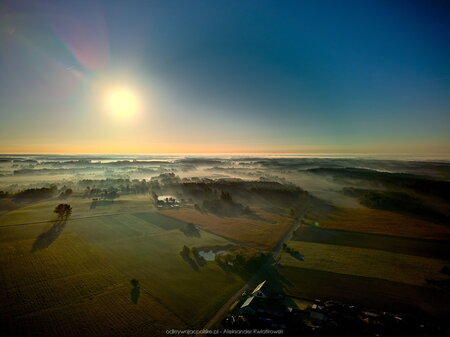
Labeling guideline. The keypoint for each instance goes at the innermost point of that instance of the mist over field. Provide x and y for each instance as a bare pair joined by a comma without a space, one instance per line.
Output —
17,171
75,171
149,231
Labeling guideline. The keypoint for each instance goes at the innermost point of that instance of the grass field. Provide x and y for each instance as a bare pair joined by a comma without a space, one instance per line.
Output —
364,262
380,222
82,207
110,313
380,271
263,232
427,248
78,274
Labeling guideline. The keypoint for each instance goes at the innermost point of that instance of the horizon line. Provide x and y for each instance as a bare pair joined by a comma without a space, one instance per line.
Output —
441,155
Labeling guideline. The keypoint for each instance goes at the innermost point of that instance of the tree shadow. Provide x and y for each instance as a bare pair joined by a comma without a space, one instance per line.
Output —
251,214
294,253
298,256
190,261
278,281
45,239
135,291
100,203
190,231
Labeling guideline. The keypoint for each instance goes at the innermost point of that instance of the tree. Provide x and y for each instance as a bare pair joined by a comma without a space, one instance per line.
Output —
155,197
219,259
240,259
292,213
228,258
59,210
186,251
194,251
111,194
226,196
63,211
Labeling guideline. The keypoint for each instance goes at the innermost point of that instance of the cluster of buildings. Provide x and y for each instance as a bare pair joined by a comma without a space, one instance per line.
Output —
266,309
167,201
262,308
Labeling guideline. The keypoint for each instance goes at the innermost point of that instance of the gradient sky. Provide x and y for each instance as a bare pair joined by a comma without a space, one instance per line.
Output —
226,76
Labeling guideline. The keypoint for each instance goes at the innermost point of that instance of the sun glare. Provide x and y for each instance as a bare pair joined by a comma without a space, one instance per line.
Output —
122,102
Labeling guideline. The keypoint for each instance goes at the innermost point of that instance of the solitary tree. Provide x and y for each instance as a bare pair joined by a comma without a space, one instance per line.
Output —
63,211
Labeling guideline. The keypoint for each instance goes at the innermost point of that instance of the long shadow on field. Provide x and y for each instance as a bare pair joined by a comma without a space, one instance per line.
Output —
269,271
191,230
47,238
297,255
277,280
135,291
189,260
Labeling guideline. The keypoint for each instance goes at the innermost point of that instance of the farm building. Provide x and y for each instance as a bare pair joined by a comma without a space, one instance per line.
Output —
167,201
262,302
262,290
256,306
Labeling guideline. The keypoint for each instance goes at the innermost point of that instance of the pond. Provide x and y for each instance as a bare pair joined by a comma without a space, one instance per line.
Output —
210,255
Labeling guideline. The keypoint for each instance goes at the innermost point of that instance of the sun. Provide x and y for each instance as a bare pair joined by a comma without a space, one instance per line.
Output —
122,102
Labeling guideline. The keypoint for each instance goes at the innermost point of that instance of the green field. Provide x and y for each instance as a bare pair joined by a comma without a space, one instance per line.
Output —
78,274
364,262
82,207
421,247
378,271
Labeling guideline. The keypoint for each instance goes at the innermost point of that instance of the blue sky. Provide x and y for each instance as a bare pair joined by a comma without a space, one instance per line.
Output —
226,76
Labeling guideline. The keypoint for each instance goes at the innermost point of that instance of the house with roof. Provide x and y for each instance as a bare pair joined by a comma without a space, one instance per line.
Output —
255,306
167,201
262,290
262,303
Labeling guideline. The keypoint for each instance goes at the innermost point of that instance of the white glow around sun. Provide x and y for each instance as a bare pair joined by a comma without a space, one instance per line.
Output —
122,102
